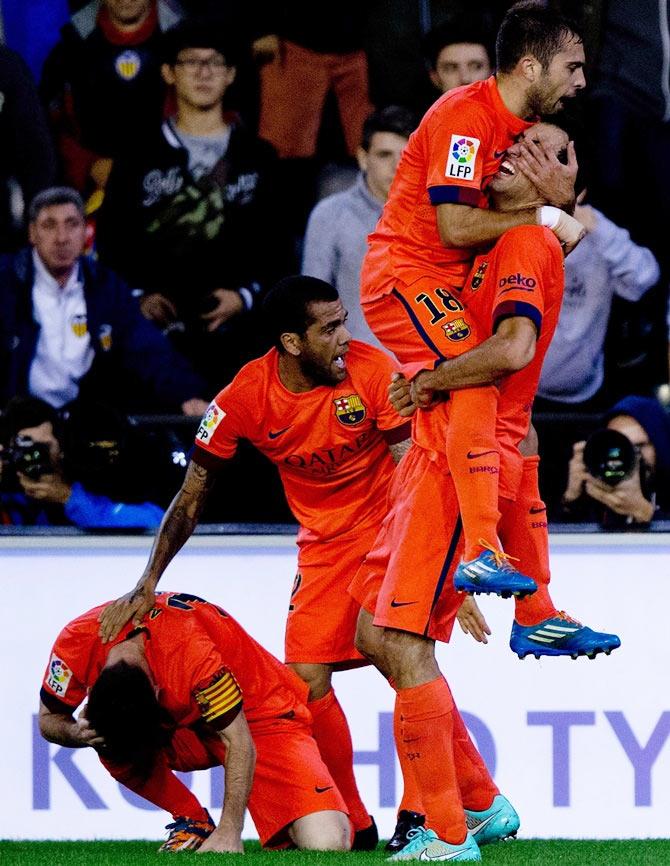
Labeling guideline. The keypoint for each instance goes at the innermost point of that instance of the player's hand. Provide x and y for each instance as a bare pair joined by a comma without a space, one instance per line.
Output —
422,390
569,231
554,181
47,488
471,620
400,396
194,407
133,605
266,49
85,735
229,304
577,473
222,843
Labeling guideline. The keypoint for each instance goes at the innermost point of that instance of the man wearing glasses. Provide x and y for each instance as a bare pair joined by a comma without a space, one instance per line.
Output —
187,210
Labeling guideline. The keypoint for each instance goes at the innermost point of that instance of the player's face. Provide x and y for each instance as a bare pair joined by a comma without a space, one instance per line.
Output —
510,188
460,63
325,344
380,161
58,234
200,77
563,78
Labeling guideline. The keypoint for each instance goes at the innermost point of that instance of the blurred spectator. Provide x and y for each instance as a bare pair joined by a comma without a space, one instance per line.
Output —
338,227
39,482
70,325
190,213
606,263
628,484
27,159
459,52
102,84
308,61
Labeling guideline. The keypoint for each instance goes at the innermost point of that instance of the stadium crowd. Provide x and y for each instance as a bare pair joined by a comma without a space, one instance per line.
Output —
210,213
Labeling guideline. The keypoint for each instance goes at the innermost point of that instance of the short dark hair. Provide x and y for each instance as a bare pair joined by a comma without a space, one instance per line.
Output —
531,28
22,412
52,196
473,30
286,306
392,118
122,707
200,32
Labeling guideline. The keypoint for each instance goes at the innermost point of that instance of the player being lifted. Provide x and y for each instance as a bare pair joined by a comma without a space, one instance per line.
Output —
437,215
317,406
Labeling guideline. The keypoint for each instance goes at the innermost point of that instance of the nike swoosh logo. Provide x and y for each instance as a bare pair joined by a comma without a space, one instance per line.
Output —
498,154
323,790
452,856
395,603
477,828
273,434
537,510
472,456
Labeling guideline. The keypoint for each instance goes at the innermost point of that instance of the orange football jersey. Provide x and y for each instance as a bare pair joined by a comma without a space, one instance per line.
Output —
449,159
327,443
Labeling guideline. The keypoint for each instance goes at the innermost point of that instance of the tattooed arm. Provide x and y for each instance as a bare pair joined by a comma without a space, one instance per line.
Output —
176,528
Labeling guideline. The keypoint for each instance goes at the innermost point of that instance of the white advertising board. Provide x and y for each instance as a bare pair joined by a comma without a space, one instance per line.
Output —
582,748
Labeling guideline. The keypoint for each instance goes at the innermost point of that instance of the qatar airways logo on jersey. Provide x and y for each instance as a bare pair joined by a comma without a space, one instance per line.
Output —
326,461
517,281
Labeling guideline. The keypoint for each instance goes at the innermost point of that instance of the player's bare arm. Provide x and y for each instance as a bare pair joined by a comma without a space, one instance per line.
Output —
64,730
398,441
460,225
176,528
511,348
239,766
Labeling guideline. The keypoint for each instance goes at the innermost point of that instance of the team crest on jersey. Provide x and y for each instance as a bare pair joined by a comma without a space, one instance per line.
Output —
105,335
478,276
456,330
79,326
59,675
462,155
128,64
349,410
210,421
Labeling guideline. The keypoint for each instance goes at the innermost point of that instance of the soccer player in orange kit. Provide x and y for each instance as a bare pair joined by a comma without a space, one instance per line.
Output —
317,406
405,584
186,690
437,215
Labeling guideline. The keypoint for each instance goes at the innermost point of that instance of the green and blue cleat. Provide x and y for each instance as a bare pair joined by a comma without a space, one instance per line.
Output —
500,821
424,844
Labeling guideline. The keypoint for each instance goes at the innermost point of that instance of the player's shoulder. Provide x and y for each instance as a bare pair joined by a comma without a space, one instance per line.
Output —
364,359
537,238
471,101
251,380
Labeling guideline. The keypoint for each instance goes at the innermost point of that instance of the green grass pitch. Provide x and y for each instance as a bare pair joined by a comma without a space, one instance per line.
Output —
532,852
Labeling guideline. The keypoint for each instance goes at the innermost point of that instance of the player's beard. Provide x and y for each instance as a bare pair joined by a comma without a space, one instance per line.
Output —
317,372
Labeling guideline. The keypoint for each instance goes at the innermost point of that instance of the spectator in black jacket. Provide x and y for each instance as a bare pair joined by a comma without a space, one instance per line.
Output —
190,215
70,327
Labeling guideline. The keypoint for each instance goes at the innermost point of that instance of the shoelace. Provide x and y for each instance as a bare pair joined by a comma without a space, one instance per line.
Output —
564,616
413,833
501,558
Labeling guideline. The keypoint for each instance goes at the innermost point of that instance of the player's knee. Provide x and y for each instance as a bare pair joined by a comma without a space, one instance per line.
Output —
368,637
411,658
322,831
318,678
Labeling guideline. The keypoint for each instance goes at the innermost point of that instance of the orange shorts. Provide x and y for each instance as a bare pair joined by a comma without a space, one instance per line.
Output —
406,580
422,322
321,624
290,779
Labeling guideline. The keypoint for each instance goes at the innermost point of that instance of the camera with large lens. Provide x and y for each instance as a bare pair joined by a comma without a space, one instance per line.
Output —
31,459
609,456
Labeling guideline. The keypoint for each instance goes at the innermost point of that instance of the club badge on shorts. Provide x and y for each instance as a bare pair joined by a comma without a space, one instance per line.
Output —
478,276
456,330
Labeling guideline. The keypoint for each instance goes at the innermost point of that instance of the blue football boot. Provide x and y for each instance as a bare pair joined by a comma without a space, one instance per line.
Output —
560,635
425,845
500,821
491,572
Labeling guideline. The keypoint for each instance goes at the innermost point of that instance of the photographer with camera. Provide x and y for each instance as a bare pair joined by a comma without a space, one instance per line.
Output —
620,476
38,479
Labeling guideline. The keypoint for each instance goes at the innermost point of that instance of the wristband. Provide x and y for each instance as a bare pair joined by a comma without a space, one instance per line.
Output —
549,216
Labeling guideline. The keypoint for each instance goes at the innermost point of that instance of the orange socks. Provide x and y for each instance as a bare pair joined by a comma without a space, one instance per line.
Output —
523,525
333,738
426,730
411,794
474,780
474,460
